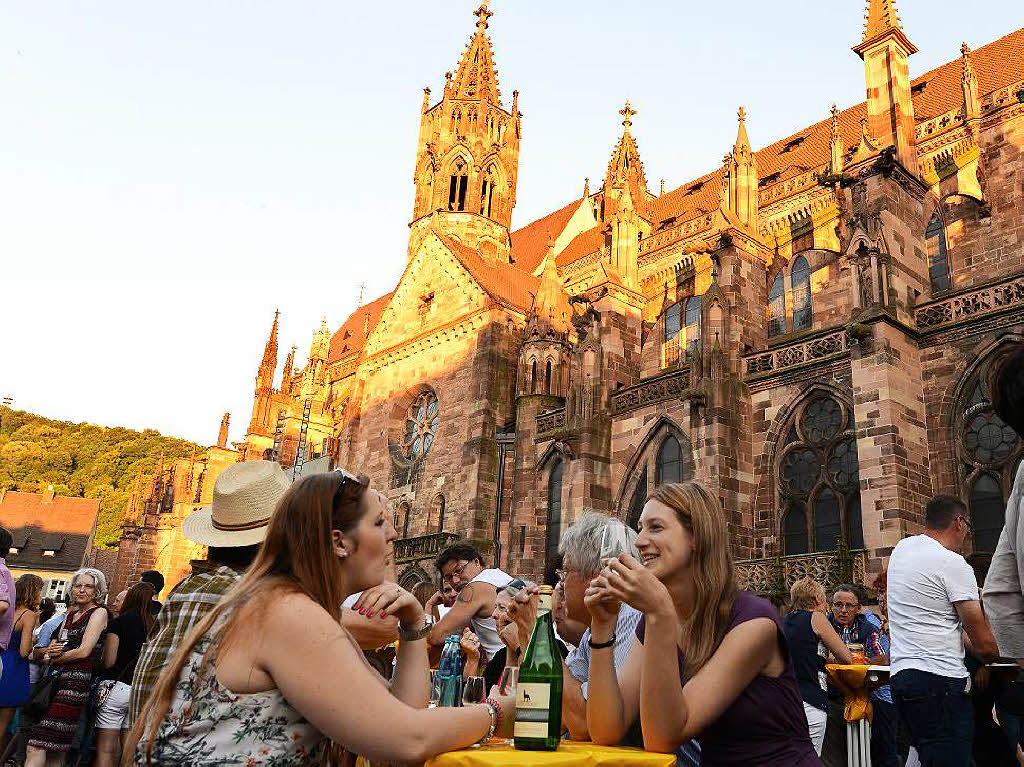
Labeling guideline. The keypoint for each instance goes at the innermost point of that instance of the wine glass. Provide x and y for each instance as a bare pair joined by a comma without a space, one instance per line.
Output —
508,681
473,690
614,541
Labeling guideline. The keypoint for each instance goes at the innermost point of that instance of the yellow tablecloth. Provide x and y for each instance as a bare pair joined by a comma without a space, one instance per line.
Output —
569,754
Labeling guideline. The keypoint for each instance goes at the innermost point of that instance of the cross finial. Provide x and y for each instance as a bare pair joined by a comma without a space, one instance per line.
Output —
362,287
482,15
964,50
627,112
742,114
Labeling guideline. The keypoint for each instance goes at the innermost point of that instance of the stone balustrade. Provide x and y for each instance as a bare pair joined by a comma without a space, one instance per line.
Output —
551,420
1008,293
422,546
774,575
659,389
798,352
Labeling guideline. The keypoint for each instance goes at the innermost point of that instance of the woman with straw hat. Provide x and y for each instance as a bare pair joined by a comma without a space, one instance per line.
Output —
271,674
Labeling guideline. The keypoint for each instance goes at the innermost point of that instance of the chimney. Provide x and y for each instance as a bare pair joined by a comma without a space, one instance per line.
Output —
48,494
222,437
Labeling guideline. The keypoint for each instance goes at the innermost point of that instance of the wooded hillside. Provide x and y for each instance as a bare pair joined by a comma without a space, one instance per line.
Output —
81,459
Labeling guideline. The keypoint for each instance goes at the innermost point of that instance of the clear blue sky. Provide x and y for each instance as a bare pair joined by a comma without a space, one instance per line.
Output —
172,172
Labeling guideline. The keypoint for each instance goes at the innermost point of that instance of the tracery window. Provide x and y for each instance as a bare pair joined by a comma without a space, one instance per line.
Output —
670,461
989,452
435,520
457,187
487,193
801,280
777,307
691,317
554,526
672,326
819,479
421,425
402,519
636,503
935,245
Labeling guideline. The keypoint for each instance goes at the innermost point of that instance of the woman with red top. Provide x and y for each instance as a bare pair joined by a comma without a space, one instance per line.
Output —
710,662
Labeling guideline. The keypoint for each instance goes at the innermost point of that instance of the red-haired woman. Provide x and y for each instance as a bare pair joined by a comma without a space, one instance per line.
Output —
270,673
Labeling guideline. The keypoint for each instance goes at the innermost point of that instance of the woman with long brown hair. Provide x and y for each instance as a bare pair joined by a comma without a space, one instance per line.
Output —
14,682
125,636
709,662
270,673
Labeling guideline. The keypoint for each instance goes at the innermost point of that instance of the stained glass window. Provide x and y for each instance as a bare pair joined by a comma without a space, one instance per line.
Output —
989,452
670,461
421,425
777,307
801,279
938,263
819,479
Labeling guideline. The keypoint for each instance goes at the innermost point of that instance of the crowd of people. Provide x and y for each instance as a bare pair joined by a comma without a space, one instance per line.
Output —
260,656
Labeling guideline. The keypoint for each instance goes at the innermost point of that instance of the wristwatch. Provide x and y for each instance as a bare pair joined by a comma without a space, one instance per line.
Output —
411,635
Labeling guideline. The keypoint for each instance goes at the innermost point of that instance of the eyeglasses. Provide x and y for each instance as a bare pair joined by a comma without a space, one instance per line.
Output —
844,606
967,524
563,575
457,571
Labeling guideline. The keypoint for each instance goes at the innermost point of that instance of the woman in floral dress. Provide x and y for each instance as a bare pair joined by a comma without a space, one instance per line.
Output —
270,674
75,656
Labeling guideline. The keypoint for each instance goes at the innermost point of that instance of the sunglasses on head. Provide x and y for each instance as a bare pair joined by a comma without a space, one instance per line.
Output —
351,487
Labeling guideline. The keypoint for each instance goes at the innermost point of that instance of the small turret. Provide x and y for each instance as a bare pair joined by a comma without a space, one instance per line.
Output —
222,435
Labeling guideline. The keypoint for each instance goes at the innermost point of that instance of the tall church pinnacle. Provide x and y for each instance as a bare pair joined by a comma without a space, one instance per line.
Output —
265,375
476,77
625,162
835,144
742,140
882,21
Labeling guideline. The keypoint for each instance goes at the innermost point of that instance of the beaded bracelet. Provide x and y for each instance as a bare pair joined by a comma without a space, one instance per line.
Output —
494,709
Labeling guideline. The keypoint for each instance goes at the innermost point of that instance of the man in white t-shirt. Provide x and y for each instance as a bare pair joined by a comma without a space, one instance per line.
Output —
932,599
462,565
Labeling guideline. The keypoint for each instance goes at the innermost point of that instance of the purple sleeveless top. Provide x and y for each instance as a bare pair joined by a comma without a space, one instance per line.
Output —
766,724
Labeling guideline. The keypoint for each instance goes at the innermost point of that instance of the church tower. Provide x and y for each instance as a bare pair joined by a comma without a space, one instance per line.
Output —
468,155
885,49
265,382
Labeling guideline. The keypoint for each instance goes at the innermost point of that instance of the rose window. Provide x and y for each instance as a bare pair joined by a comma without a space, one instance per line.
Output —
421,425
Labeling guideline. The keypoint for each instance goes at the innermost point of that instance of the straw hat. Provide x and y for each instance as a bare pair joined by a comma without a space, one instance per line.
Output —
244,497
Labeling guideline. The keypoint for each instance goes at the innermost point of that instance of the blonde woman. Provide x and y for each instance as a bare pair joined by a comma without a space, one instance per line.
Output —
270,674
710,662
811,638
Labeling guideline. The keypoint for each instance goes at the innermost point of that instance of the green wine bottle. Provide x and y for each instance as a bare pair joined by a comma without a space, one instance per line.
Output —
539,690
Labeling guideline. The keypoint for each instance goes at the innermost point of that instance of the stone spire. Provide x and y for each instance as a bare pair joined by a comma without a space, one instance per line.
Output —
741,171
625,163
885,49
222,435
476,77
265,376
969,82
551,304
835,145
289,371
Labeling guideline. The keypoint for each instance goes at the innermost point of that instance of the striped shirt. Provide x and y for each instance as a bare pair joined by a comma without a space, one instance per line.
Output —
186,605
579,659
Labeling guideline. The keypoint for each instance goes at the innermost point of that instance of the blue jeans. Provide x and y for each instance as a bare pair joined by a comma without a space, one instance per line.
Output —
938,716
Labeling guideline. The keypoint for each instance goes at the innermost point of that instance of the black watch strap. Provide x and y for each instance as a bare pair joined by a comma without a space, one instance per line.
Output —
600,645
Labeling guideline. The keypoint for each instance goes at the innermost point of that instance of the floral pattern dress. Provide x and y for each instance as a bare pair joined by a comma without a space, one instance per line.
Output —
207,724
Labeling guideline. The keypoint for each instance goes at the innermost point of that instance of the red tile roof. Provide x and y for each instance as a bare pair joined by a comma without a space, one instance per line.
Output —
503,282
63,525
582,244
997,65
351,336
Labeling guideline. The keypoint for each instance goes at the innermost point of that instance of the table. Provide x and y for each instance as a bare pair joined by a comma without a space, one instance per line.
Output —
857,682
569,754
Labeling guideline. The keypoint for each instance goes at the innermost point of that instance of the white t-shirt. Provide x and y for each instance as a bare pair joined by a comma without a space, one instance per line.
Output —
924,581
485,628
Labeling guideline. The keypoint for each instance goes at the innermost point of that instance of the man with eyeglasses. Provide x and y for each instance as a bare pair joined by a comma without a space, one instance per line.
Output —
934,610
462,565
853,628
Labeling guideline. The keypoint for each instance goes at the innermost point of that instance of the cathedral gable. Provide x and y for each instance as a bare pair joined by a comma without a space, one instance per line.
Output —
435,290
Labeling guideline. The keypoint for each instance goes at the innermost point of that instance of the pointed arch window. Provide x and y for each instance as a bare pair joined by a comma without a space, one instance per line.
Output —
670,461
777,307
637,501
801,280
935,246
672,321
487,193
457,187
533,377
989,453
691,316
435,520
402,513
547,378
819,479
554,526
